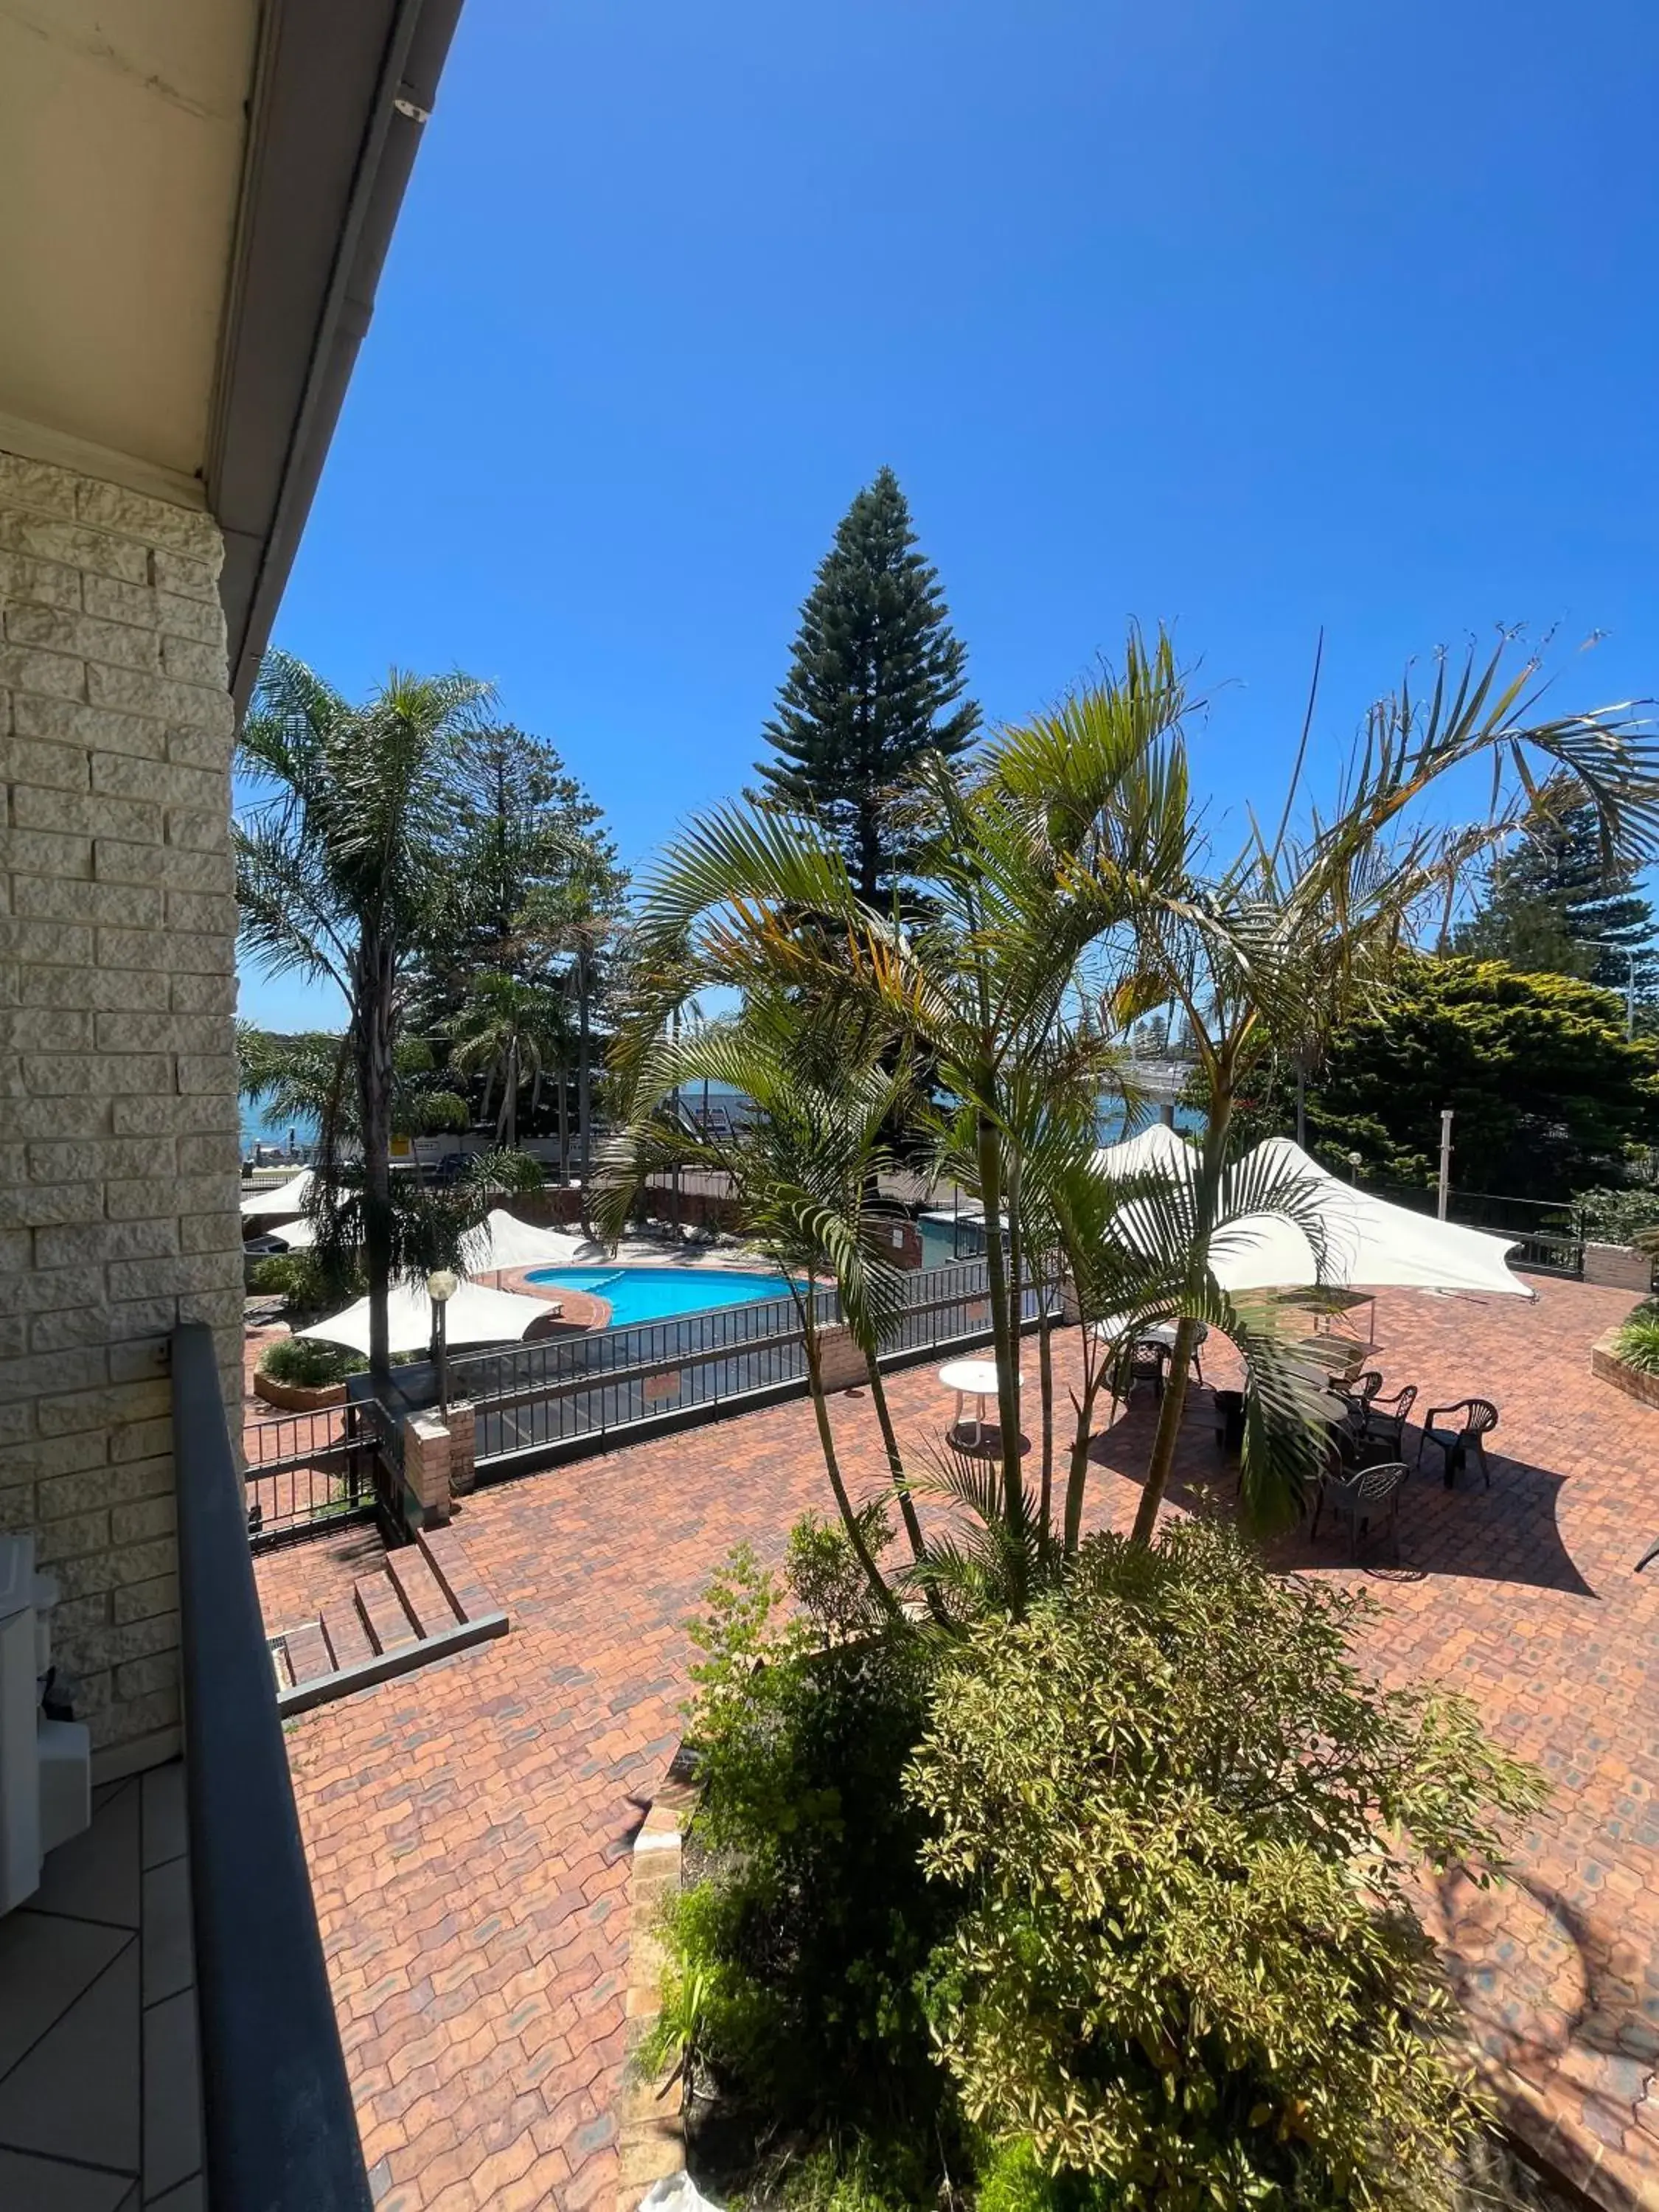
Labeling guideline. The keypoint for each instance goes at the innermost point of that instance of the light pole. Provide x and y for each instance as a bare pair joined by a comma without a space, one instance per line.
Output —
440,1287
1445,1163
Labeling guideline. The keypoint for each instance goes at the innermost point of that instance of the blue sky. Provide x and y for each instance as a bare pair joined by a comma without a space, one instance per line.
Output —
1249,315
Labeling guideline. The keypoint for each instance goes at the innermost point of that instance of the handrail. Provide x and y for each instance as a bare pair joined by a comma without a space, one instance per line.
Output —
281,2134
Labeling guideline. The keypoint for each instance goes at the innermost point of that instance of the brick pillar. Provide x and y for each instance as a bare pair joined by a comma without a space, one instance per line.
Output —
840,1359
426,1471
463,1448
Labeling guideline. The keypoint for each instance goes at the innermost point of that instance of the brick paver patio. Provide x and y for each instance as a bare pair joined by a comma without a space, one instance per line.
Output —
469,1826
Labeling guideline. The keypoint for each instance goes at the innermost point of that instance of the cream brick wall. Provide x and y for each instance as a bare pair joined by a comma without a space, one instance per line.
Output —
119,1191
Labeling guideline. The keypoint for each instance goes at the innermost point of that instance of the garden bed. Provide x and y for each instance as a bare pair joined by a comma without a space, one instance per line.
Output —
1608,1367
297,1397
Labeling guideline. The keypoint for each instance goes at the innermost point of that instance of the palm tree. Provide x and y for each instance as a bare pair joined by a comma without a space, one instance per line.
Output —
1033,860
806,1164
511,1030
1273,948
575,920
1065,894
308,1077
341,870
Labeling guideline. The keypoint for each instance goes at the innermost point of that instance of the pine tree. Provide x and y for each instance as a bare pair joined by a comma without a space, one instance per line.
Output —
1551,907
875,681
526,827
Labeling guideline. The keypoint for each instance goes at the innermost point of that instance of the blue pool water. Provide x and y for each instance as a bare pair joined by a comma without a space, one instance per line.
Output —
655,1293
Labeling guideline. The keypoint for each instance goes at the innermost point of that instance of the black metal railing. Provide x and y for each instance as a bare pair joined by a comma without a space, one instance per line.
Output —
1549,1231
279,2129
310,1471
537,1401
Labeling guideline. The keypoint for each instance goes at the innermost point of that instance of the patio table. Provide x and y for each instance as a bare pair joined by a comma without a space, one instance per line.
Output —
971,1379
1341,1355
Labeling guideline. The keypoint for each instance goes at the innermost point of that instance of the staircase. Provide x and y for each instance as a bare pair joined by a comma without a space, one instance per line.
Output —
426,1603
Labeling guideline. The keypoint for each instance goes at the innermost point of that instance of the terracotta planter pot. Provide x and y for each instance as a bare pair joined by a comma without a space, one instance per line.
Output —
295,1397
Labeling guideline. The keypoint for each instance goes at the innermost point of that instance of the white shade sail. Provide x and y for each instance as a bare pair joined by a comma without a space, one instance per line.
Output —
1368,1244
296,1235
473,1315
503,1241
282,1198
1156,1146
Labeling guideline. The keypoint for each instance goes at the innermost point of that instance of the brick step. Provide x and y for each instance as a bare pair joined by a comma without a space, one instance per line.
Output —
348,1638
424,1598
279,1665
382,1614
308,1655
446,1556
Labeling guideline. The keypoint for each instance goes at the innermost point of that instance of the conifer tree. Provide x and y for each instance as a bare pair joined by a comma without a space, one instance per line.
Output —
1552,907
876,681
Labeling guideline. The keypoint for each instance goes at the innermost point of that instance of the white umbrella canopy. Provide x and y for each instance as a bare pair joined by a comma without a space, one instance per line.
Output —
503,1241
473,1315
288,1197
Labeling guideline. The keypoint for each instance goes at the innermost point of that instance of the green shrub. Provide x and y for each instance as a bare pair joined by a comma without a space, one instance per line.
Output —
797,1961
309,1287
1188,1972
1637,1341
308,1364
1618,1216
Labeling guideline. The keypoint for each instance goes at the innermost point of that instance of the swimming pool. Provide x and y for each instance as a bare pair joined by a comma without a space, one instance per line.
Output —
657,1293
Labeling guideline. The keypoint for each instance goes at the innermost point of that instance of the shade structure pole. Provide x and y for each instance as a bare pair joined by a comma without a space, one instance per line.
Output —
1445,1162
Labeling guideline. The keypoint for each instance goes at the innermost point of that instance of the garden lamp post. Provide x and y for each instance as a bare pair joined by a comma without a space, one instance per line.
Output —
440,1286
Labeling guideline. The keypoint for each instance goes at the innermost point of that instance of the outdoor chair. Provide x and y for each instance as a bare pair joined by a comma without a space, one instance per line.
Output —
1369,1499
1356,1397
1143,1363
1229,1421
1477,1418
1384,1419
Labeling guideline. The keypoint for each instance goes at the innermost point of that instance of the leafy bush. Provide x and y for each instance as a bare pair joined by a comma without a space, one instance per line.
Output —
1618,1216
307,1363
1187,1970
797,1960
308,1284
1636,1342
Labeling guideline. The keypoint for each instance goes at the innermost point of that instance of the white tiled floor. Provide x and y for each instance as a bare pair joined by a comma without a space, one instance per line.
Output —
100,2096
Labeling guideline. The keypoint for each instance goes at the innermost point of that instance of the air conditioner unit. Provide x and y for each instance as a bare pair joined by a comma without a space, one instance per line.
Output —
46,1766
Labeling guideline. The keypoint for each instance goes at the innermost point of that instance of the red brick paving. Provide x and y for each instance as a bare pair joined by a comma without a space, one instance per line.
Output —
468,1826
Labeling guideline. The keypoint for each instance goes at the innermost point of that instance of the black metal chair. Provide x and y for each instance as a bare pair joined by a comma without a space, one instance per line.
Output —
1229,1421
1143,1363
1385,1419
1478,1419
1368,1499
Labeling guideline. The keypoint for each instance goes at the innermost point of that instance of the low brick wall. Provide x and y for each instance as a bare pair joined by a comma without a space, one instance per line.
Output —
296,1397
651,2132
1607,1367
1618,1267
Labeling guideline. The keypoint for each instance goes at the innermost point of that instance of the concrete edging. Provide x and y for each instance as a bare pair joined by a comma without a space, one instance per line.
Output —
650,2123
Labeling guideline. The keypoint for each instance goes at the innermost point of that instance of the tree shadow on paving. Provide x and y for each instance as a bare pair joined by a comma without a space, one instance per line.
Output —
1554,1993
1509,1534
